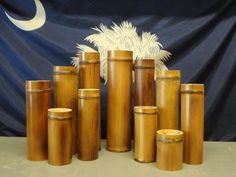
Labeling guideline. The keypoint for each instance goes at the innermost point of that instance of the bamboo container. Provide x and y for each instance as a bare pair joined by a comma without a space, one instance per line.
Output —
192,122
119,100
144,82
88,126
169,149
167,98
65,94
89,75
37,104
59,136
145,127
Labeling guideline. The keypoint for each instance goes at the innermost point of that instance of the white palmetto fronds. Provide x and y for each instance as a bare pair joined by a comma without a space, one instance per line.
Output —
124,37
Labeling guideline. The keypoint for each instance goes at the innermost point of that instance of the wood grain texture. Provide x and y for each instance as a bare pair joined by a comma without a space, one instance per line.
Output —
59,136
144,82
65,94
88,123
119,101
192,122
145,127
167,98
37,104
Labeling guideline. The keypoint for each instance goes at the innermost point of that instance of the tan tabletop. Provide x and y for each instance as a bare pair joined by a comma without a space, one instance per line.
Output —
219,161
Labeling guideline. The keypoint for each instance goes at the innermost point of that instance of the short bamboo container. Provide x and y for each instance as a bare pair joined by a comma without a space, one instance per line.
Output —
144,82
169,149
167,98
89,74
145,127
119,100
65,93
59,136
37,104
192,122
88,123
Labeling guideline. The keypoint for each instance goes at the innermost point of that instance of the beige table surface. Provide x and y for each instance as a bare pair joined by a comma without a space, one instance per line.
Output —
219,161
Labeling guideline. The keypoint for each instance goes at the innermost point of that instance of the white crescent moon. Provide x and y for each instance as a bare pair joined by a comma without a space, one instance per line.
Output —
33,24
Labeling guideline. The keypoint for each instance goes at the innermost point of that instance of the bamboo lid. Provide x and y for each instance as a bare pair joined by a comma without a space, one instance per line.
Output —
169,135
144,64
192,88
38,85
59,113
165,74
88,93
65,70
145,109
89,57
120,55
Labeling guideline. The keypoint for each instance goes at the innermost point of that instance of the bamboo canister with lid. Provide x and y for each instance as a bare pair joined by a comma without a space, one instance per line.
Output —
37,104
169,155
119,85
145,127
88,123
192,122
65,93
59,136
167,98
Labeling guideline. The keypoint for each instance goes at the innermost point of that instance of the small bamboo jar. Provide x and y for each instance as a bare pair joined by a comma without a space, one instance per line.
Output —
167,98
37,104
119,100
65,93
192,122
59,136
144,82
88,125
169,149
145,127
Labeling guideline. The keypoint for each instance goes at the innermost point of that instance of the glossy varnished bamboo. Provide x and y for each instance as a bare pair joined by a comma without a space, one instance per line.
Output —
88,125
119,100
145,127
65,93
59,136
167,98
144,82
37,104
169,155
192,122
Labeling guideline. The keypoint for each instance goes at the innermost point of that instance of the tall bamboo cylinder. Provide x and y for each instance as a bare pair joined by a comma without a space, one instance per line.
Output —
37,104
119,100
144,82
89,74
145,127
59,136
192,122
88,125
65,93
169,155
167,98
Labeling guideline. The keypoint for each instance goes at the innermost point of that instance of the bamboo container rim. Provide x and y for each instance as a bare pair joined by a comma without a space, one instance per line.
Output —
89,57
168,74
146,109
59,113
192,88
37,85
144,64
65,70
169,135
88,93
120,55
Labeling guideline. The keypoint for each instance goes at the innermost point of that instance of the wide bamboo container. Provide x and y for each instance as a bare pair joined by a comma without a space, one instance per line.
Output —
37,104
59,136
145,127
144,82
192,122
169,149
89,75
119,100
167,98
88,123
65,94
